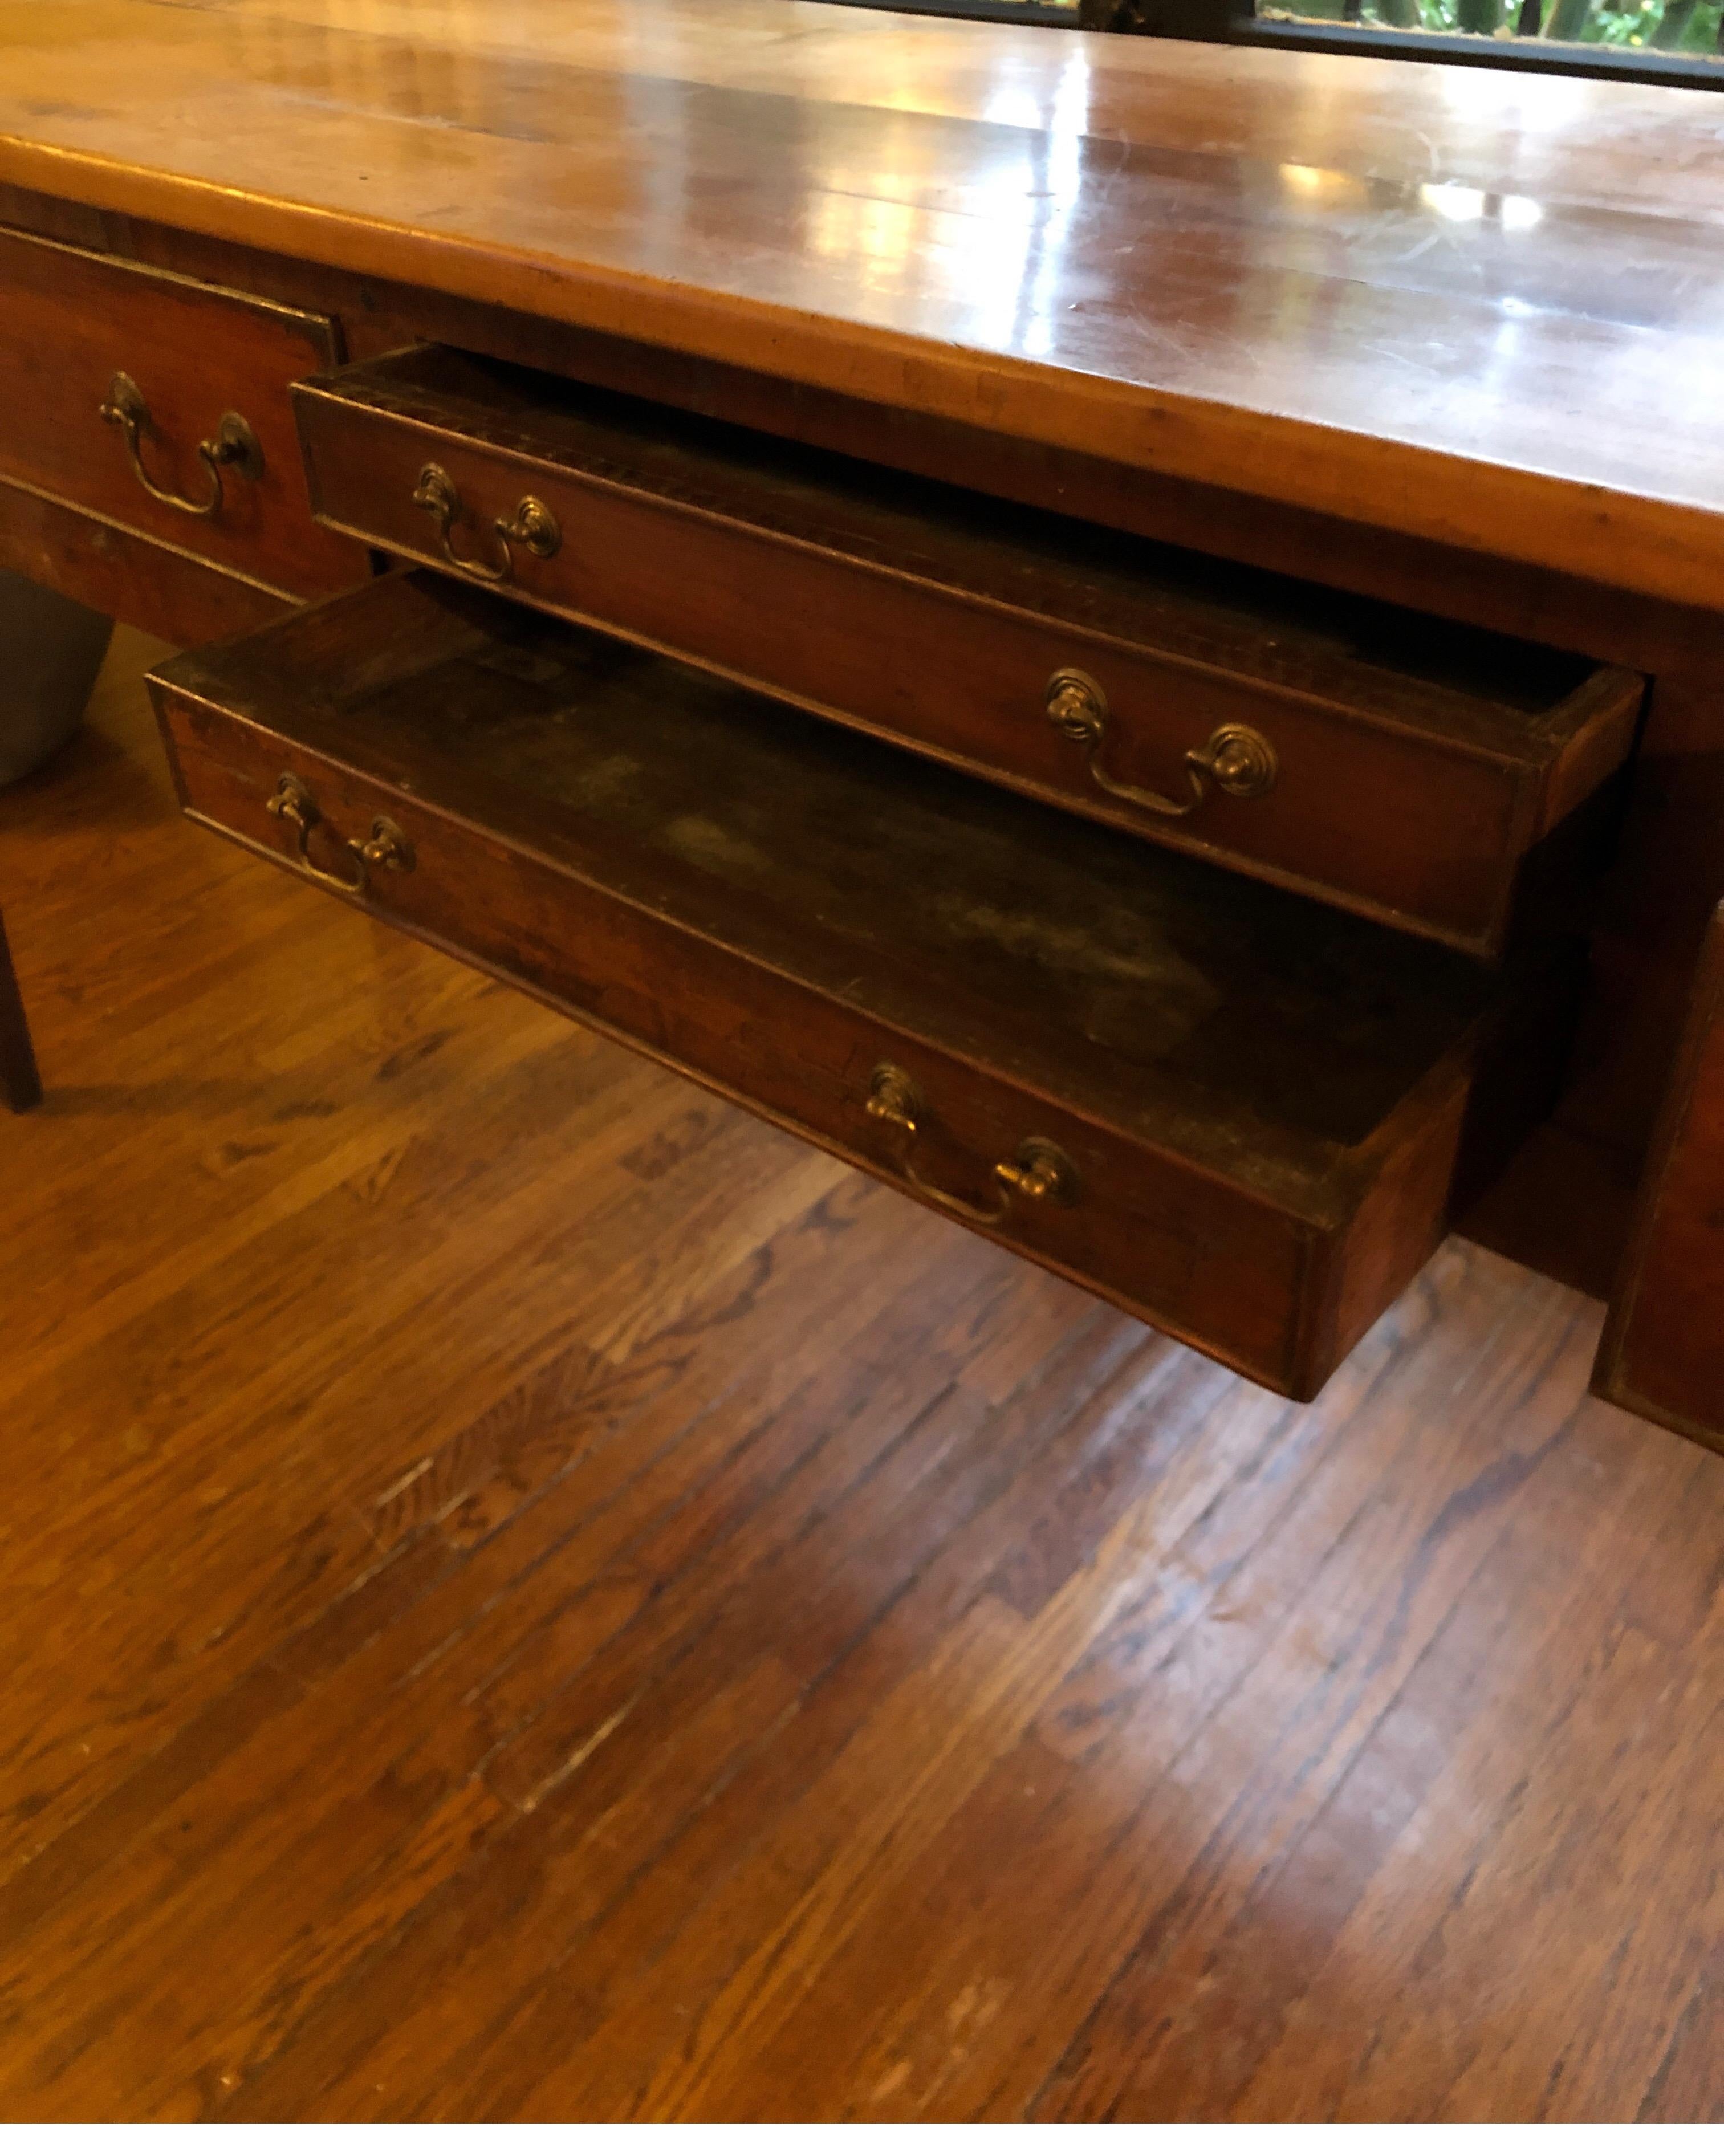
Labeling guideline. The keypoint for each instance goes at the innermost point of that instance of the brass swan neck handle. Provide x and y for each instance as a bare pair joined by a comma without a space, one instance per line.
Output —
1236,758
232,447
1038,1171
533,526
386,848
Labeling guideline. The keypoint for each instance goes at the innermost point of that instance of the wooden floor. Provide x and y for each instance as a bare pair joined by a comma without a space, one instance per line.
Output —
527,1594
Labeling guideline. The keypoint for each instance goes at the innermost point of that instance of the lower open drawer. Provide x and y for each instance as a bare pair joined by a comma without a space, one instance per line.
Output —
1240,1115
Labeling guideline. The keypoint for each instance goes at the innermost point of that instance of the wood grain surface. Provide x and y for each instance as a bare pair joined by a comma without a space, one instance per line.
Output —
526,1593
1479,309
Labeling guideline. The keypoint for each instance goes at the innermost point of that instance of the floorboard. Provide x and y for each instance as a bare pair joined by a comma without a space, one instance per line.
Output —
525,1594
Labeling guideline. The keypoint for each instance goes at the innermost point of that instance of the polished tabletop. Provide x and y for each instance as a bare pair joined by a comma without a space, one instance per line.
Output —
1479,306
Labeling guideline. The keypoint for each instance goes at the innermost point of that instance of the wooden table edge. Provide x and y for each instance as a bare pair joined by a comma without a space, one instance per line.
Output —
1660,548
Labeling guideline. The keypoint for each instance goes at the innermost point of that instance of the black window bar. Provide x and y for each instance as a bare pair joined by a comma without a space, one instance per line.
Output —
1677,42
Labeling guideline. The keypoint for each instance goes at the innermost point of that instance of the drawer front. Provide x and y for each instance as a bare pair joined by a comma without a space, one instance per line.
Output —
72,325
1272,1253
1398,821
171,594
1148,1237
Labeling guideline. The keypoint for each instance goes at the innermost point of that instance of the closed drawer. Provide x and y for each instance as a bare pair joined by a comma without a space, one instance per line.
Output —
71,323
1396,765
1238,1114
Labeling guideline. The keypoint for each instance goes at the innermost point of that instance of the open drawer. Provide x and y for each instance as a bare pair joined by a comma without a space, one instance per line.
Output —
1396,765
1238,1114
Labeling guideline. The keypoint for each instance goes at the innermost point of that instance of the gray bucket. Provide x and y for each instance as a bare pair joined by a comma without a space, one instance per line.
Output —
51,650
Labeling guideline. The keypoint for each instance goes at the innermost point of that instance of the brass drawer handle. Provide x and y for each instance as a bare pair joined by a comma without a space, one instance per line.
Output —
233,442
386,848
1238,759
1040,1171
532,527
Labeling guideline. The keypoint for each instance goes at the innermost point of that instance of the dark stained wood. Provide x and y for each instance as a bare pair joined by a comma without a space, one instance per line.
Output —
75,320
1416,766
1267,1104
1663,1350
526,1593
1562,1205
1383,301
19,1079
1652,911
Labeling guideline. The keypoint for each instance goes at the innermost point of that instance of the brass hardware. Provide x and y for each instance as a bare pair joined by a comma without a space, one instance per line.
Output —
1040,1171
386,848
233,442
1238,759
532,527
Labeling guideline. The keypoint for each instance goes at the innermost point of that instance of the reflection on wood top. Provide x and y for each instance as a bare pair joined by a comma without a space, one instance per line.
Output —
1481,307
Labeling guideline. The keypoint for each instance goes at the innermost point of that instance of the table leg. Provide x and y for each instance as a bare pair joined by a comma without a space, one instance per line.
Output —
19,1078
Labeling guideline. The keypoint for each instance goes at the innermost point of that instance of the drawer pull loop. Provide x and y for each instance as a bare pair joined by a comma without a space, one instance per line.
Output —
386,848
1238,759
532,527
1040,1171
233,442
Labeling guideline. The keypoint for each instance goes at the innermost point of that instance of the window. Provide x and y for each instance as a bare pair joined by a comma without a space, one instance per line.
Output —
1678,41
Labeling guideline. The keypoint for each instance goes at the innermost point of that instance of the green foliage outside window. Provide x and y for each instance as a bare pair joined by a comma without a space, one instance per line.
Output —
1695,28
1669,26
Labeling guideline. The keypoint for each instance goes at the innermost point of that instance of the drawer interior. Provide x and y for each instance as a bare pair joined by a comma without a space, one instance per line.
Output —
1401,767
1270,1039
1460,684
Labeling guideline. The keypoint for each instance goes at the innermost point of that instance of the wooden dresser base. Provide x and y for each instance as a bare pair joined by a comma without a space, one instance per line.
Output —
1561,1207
